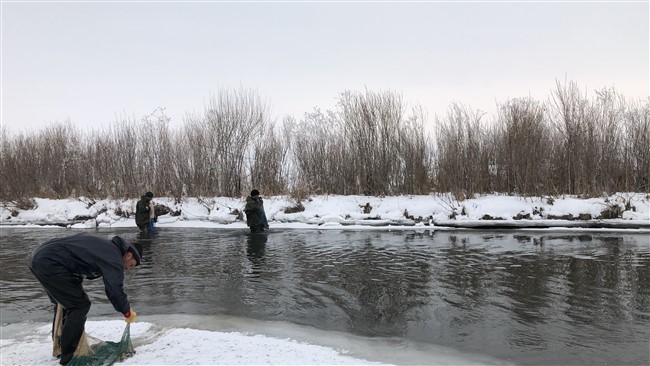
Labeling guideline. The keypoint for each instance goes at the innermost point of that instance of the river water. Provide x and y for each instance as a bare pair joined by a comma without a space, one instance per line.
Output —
526,297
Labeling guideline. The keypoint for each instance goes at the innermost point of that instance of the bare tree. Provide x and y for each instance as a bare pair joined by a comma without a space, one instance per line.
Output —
636,155
415,156
568,115
232,121
371,125
461,165
270,160
523,147
319,156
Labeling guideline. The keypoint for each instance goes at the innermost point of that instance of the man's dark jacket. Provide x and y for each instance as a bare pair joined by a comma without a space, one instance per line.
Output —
88,256
255,216
142,212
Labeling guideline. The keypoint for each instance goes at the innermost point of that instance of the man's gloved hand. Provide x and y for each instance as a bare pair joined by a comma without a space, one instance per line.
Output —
131,316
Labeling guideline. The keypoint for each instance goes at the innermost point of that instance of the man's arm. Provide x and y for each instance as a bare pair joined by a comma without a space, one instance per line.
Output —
114,288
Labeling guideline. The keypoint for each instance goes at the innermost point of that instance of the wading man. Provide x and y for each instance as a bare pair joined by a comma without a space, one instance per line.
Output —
145,215
255,215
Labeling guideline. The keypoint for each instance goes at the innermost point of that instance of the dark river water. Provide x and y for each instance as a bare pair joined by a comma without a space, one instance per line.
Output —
527,297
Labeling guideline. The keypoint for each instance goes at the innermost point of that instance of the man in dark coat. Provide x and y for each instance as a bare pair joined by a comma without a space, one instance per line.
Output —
144,213
61,265
255,215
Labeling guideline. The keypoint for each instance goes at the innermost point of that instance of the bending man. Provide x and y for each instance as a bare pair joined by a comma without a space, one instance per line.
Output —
61,265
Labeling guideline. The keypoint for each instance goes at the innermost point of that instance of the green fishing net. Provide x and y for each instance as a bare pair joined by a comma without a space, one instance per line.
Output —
92,351
105,353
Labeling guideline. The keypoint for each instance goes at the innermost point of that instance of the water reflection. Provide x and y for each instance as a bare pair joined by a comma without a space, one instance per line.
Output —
380,287
255,248
147,234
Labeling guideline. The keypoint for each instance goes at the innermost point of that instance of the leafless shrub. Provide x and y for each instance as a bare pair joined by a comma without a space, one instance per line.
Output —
320,158
270,161
461,161
221,139
589,139
598,142
160,160
635,175
25,204
522,148
415,156
371,129
369,144
568,113
299,194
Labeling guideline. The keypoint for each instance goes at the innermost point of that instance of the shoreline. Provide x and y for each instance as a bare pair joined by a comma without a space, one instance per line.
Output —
612,224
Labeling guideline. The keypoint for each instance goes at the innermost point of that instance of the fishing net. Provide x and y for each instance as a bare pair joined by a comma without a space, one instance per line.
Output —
92,351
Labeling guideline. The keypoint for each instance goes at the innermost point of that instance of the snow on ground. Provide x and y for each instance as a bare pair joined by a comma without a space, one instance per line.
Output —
328,211
266,343
181,346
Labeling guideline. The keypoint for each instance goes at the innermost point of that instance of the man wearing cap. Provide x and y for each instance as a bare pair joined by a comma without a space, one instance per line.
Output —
61,265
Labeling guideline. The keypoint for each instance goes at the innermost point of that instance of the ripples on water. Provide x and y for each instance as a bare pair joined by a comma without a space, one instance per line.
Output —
528,297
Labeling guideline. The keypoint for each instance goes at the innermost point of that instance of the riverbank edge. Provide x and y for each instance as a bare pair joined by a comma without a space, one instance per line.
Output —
614,224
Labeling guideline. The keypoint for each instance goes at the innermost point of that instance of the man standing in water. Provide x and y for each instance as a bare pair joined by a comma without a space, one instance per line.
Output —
255,215
61,265
145,214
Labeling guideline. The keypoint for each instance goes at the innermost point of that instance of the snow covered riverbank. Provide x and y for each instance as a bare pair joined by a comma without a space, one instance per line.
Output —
622,211
237,342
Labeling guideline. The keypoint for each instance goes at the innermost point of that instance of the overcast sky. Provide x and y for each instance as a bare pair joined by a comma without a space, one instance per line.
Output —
94,63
